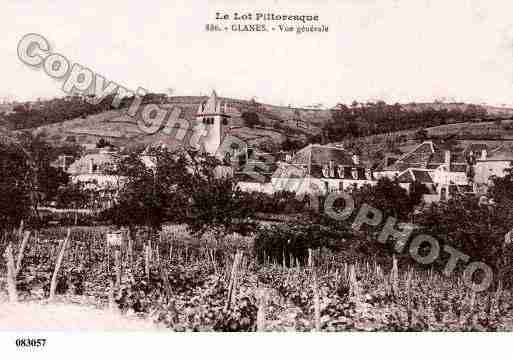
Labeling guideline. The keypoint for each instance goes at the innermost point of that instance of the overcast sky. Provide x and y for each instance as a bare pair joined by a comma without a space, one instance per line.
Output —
398,50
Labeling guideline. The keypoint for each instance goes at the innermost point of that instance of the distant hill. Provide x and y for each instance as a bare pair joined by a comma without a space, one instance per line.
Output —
73,119
457,106
276,123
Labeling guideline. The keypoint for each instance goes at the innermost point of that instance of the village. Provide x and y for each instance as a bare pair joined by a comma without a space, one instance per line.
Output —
317,169
238,225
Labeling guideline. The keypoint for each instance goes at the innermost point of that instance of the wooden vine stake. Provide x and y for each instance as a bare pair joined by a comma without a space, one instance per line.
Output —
233,280
11,274
394,277
112,303
24,241
117,263
262,302
53,283
147,261
317,304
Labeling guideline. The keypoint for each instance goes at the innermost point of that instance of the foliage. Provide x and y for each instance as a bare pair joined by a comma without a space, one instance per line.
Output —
373,118
250,118
73,195
16,185
154,191
214,200
288,242
454,222
390,198
280,202
62,109
43,154
370,300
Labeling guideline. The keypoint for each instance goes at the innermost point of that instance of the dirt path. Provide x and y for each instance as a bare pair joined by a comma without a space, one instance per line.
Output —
37,316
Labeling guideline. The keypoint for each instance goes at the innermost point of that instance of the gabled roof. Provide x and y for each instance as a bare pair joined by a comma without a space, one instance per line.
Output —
418,157
422,176
311,160
501,153
427,155
419,154
315,154
385,163
411,175
476,148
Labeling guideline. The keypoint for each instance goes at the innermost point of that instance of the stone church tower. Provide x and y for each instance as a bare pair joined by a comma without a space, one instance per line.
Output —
213,114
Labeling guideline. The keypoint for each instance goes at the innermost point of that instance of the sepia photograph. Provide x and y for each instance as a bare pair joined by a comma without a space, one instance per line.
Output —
286,166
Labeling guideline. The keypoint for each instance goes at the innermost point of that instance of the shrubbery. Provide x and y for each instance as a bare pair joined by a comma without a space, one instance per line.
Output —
288,243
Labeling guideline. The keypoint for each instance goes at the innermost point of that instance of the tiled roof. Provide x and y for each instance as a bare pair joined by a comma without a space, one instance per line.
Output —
386,162
411,175
405,177
458,167
420,154
427,155
501,154
422,176
316,157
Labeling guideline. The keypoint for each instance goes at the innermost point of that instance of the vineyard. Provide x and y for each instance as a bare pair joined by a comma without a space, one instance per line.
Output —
215,283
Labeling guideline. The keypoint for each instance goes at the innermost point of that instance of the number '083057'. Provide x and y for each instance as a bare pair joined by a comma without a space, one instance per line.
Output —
30,342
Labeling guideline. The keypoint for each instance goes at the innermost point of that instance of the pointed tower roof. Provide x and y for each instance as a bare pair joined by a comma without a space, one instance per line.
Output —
211,106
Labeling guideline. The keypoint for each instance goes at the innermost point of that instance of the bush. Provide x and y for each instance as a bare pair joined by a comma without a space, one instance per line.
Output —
286,243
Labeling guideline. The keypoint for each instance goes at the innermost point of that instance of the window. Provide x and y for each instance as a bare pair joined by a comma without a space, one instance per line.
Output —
225,121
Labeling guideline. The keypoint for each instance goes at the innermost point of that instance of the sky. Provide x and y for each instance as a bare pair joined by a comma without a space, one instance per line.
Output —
392,50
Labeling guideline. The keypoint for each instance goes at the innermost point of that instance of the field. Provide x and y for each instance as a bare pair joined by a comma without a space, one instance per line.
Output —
216,284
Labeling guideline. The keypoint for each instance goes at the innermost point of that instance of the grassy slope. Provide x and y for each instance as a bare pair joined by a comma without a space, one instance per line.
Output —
119,128
277,123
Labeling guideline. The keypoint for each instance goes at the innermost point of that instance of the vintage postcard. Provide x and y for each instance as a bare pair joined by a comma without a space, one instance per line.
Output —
242,166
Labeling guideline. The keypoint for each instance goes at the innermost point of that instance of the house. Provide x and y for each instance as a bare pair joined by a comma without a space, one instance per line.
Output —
94,171
319,169
63,162
442,171
492,162
254,174
446,172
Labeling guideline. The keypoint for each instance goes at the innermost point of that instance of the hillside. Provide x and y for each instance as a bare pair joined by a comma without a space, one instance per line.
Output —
71,119
276,124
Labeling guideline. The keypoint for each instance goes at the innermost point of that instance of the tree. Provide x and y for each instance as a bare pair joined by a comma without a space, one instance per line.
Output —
16,185
421,135
50,180
389,197
47,178
153,191
73,195
250,118
215,202
454,223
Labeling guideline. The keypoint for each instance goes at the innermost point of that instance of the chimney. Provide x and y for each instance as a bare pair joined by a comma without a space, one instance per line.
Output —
448,157
484,154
